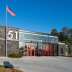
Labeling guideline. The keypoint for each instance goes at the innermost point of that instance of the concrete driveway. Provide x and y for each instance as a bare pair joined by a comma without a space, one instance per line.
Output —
41,64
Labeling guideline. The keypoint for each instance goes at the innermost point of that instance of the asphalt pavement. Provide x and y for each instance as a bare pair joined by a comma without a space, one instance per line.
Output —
41,64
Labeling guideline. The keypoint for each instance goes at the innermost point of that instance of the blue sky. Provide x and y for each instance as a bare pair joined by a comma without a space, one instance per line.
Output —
38,15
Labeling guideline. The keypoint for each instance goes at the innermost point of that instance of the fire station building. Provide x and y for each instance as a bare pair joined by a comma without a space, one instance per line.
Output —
33,43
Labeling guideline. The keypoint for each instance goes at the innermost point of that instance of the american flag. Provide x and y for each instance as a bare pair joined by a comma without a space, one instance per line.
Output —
9,10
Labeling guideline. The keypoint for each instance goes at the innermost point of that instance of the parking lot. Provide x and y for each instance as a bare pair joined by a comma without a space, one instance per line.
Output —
41,64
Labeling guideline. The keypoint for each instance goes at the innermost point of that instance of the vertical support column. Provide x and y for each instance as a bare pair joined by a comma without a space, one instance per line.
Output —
34,51
27,51
31,52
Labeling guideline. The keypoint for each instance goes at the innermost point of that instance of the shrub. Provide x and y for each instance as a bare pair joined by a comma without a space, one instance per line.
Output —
15,55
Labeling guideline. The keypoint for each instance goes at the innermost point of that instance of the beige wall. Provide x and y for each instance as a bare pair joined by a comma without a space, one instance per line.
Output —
12,43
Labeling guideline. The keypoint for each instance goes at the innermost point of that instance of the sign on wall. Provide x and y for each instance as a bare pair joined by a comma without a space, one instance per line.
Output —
12,35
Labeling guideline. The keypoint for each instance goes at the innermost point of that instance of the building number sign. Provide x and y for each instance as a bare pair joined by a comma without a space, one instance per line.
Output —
12,35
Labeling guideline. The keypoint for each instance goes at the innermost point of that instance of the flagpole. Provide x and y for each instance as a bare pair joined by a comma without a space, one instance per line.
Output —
13,14
6,29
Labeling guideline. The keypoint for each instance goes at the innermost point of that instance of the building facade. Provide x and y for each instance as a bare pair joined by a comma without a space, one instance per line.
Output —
9,40
37,44
32,43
